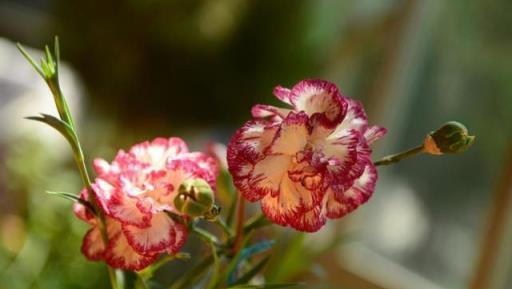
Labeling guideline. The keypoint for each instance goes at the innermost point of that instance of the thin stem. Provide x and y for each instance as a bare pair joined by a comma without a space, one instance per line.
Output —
49,70
112,277
205,235
256,223
219,221
193,275
239,235
391,159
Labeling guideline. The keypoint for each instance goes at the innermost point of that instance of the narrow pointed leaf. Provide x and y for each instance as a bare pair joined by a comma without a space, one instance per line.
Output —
266,286
73,198
30,59
216,267
247,253
60,126
253,272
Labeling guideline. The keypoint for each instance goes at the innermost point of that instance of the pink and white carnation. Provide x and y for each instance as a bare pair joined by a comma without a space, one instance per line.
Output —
308,162
135,192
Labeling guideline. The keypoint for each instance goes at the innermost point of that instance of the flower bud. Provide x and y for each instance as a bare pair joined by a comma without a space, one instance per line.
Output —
195,198
452,137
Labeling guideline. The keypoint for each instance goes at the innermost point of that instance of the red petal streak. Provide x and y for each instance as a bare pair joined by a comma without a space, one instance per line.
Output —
93,246
283,94
321,100
158,237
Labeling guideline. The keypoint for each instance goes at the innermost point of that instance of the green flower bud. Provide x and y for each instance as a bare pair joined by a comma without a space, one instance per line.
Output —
452,137
195,198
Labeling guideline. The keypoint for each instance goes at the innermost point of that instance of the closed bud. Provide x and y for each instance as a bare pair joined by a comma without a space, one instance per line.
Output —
195,198
452,137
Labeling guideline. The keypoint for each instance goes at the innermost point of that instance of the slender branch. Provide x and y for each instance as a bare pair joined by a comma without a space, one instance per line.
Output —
256,223
205,235
112,277
49,70
400,156
239,235
219,221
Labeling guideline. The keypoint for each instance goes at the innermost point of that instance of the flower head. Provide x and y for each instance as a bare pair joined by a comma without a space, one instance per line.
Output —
135,192
308,162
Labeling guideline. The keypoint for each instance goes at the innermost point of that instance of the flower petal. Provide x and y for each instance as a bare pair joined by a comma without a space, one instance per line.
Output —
119,254
292,200
283,94
245,150
373,133
268,173
310,221
292,136
157,237
339,204
93,246
158,151
117,205
81,211
268,111
320,99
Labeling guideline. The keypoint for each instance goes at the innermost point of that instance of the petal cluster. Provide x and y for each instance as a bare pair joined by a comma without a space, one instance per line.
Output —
136,191
308,162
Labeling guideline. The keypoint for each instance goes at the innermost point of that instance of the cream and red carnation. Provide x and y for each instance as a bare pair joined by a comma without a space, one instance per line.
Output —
136,192
308,162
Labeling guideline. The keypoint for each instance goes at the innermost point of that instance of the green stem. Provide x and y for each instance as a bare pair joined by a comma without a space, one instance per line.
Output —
112,277
191,276
256,223
239,234
205,235
391,159
219,221
49,71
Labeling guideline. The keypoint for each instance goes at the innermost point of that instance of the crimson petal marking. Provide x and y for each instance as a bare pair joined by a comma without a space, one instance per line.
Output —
93,246
119,254
292,136
373,133
321,100
310,221
244,150
159,236
355,118
268,111
268,173
101,166
81,211
283,94
339,204
273,210
205,166
158,151
180,236
121,207
291,201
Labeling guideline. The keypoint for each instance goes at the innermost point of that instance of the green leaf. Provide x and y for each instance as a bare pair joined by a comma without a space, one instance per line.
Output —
288,259
253,272
191,276
73,198
30,60
216,267
62,127
266,286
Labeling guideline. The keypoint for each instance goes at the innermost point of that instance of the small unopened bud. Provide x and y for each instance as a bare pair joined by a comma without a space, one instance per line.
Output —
195,198
452,137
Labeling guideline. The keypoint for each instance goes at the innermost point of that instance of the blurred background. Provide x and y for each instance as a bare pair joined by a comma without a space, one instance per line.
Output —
139,69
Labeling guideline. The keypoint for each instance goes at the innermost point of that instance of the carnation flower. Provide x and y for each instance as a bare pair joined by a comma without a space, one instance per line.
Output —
309,162
135,192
